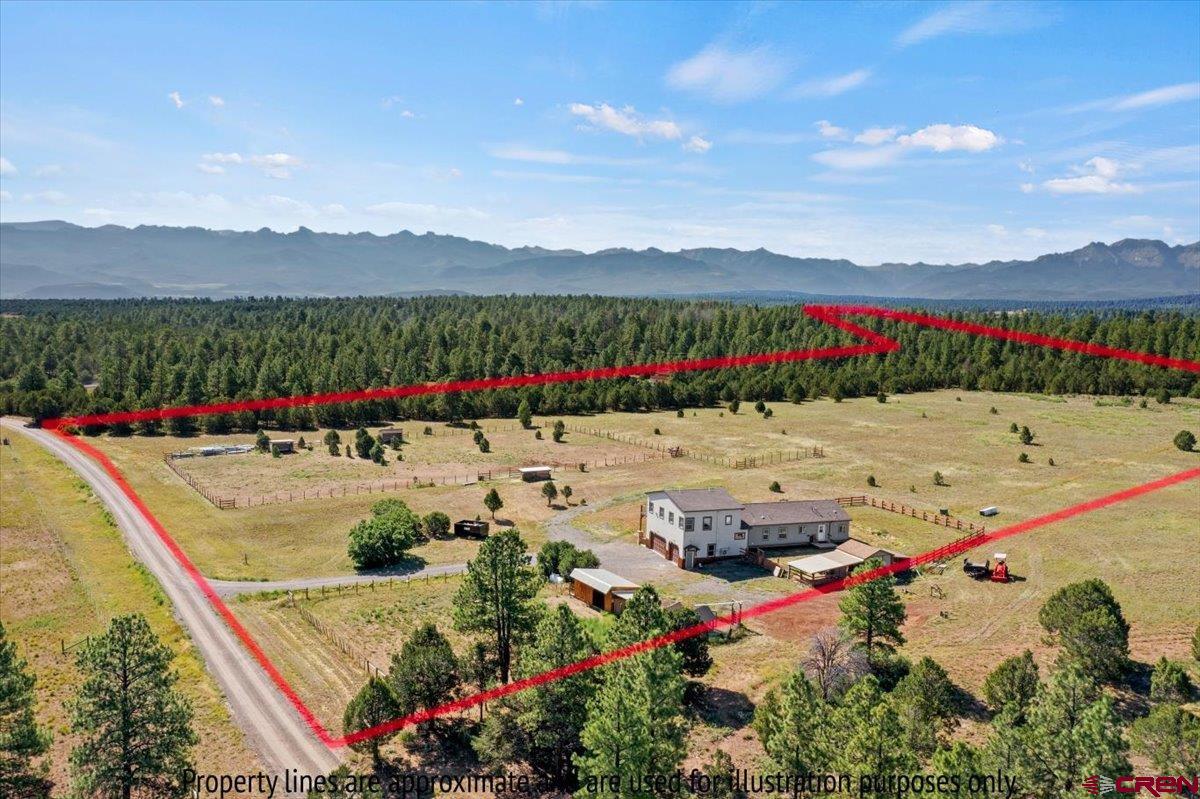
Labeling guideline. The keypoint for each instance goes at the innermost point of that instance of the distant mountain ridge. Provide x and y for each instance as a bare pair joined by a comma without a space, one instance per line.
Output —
59,259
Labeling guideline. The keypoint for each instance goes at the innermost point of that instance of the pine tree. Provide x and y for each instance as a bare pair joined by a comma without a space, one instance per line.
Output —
22,741
635,726
496,596
551,715
493,502
1170,738
873,611
424,674
1087,621
868,736
792,724
374,704
550,492
924,702
1012,684
133,726
525,414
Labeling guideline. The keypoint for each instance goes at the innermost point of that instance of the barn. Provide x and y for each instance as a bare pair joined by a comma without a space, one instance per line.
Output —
531,474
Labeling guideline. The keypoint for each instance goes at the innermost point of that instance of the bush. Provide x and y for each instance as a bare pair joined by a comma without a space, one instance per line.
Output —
768,413
436,524
939,479
562,557
1012,684
871,481
657,432
679,413
760,406
734,405
1050,461
1012,428
881,398
1185,440
1170,683
774,487
1023,457
383,539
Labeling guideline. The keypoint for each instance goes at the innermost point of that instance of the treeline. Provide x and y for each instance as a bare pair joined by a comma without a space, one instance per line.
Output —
152,353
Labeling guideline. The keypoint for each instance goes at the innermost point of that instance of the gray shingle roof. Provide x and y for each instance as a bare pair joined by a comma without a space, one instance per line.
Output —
693,500
802,511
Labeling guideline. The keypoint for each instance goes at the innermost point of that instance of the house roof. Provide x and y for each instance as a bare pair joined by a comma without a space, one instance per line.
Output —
524,469
861,549
827,561
800,511
603,580
692,500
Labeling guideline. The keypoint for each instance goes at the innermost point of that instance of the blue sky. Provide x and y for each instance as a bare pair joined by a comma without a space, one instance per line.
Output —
875,131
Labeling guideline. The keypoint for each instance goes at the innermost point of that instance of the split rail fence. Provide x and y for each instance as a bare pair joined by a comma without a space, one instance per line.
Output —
942,519
747,462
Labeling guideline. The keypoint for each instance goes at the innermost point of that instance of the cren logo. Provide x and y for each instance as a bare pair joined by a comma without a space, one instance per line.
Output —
1096,785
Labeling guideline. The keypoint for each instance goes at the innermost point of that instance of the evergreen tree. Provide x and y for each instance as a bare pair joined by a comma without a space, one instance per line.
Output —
478,669
567,492
550,492
364,442
924,702
424,675
496,596
493,502
525,414
962,761
132,725
551,716
1087,621
1170,683
1169,738
1072,730
792,723
635,726
873,611
1012,684
869,736
374,704
261,442
694,649
1185,440
22,741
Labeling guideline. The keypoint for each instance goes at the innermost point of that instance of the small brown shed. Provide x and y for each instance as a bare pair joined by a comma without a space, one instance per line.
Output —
531,474
283,445
602,589
388,434
471,528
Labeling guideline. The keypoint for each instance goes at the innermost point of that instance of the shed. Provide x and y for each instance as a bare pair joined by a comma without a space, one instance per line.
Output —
283,445
602,589
990,510
531,474
823,568
389,434
471,528
865,551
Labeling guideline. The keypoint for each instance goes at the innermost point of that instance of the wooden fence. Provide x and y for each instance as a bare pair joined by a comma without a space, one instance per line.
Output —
385,486
944,520
748,462
334,634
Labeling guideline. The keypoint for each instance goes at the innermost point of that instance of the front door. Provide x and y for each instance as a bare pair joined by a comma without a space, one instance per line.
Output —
689,558
822,536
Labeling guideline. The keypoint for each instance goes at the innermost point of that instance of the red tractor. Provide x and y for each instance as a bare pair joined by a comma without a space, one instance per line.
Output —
986,571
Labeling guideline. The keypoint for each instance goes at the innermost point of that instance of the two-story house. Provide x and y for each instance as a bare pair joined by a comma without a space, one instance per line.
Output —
697,525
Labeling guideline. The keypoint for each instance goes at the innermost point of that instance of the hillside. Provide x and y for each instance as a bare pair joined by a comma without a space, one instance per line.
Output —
59,259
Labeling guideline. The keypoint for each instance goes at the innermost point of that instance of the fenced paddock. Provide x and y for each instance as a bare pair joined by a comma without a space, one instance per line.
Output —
677,451
944,520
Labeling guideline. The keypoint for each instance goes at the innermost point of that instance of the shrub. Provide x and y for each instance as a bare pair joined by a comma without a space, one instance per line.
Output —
657,432
1050,461
768,413
1012,428
383,539
760,406
261,442
881,398
679,413
1023,457
485,446
993,410
775,488
1185,440
871,481
1170,683
939,479
734,405
436,524
537,434
1164,396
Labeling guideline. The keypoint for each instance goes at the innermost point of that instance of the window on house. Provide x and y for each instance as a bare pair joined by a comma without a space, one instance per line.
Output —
728,519
711,549
671,517
689,524
651,503
739,536
660,511
782,534
765,535
706,523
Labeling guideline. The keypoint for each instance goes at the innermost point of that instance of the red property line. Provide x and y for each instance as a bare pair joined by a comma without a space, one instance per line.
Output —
831,314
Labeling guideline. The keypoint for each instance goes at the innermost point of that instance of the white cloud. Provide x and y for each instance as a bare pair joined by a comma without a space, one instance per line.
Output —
423,212
335,210
974,16
830,131
5,196
50,197
1097,176
697,144
859,159
998,230
287,205
408,114
626,121
216,101
879,152
274,165
7,169
832,86
518,101
1026,166
518,152
176,99
943,138
729,76
873,137
1164,95
223,158
49,171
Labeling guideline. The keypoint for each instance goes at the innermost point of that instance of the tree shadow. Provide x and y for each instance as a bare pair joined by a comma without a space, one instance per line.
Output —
721,707
408,565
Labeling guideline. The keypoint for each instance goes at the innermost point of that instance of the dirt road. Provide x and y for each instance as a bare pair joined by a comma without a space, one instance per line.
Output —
272,726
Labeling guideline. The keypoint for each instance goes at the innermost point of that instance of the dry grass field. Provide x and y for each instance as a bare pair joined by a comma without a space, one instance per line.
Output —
65,572
1097,447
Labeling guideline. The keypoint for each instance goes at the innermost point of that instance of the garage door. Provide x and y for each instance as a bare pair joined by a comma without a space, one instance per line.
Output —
660,544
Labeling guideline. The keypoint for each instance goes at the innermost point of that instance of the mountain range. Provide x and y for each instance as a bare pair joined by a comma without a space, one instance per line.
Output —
54,259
